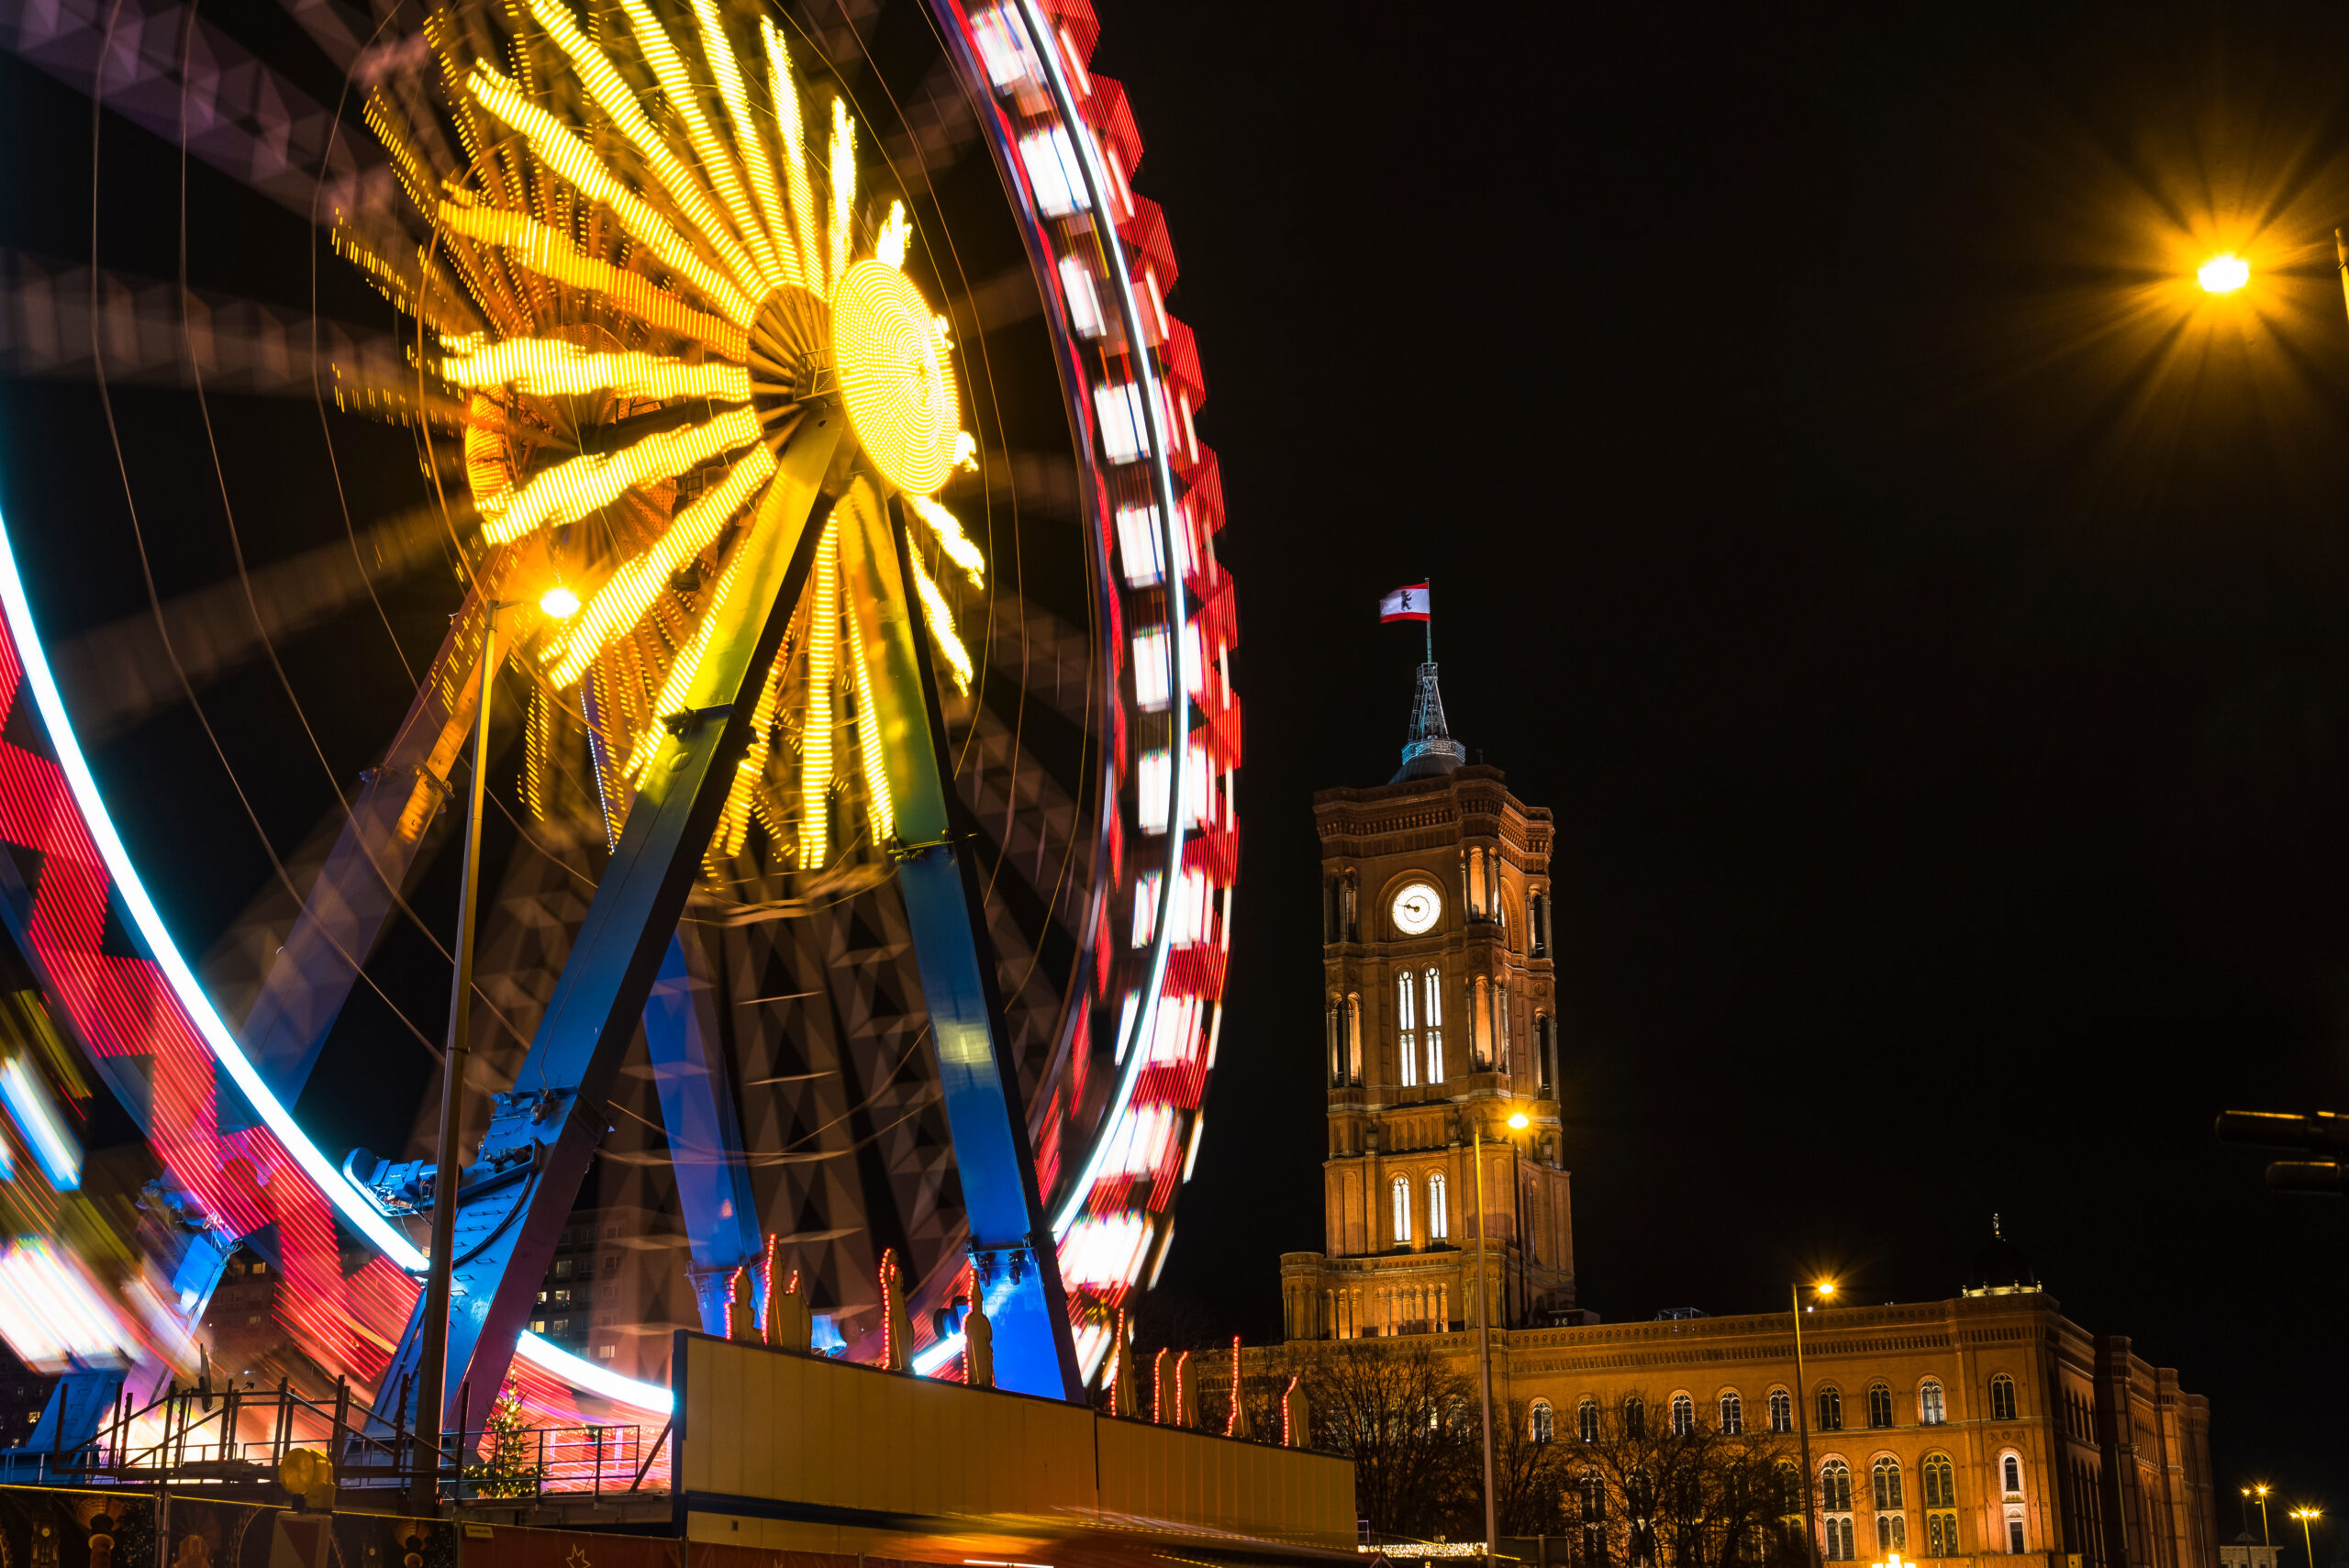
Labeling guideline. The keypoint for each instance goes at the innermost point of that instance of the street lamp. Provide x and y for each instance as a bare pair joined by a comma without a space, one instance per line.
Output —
1518,1121
2260,1489
2306,1515
2223,274
1825,1291
558,602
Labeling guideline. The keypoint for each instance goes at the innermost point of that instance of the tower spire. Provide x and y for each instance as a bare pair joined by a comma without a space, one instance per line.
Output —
1429,750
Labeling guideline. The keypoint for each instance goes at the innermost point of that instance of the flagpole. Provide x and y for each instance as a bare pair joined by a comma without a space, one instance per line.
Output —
1429,622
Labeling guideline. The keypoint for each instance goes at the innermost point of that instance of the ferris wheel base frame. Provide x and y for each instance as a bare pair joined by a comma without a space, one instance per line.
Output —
507,1230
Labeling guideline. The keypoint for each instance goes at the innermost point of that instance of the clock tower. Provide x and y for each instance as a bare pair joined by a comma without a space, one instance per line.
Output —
1439,1034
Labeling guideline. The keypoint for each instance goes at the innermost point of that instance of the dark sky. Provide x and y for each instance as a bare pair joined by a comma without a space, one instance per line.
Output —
1922,611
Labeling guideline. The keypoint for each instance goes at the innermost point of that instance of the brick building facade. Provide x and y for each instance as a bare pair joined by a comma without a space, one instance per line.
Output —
1987,1426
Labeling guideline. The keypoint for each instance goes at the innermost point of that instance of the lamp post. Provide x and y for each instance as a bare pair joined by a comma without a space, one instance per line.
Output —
558,602
1825,1290
2260,1489
1517,1119
2306,1515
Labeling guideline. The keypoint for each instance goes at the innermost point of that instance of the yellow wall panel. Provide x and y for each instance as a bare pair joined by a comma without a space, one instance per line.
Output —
769,1426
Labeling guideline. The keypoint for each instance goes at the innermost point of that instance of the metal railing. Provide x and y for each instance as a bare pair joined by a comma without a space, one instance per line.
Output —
242,1435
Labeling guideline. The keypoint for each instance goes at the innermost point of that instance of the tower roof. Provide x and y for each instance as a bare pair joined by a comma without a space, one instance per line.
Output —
1430,751
1999,1266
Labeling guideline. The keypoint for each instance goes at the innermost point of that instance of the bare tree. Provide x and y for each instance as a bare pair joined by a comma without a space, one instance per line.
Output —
1648,1491
1406,1421
1530,1470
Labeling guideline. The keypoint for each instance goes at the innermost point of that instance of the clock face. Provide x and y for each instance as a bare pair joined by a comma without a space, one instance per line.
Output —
1417,908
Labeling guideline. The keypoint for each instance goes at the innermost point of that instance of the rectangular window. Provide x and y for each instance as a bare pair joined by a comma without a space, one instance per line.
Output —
562,1268
1432,990
1408,1034
2014,1533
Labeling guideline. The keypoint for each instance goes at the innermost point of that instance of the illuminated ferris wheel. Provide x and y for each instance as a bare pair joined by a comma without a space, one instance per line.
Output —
782,409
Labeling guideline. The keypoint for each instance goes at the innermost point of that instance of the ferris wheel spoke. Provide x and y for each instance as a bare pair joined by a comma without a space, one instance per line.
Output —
119,674
175,74
57,322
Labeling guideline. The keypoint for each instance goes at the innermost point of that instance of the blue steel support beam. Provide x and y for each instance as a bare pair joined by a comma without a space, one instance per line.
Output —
705,1133
541,1136
1012,1252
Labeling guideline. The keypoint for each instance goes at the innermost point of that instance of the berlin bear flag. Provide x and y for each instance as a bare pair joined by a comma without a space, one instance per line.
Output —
1405,603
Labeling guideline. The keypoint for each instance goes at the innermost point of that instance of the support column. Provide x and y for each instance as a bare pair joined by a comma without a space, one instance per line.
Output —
515,1198
1013,1253
704,1135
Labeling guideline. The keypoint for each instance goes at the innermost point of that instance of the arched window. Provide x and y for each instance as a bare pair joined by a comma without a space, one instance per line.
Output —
1930,1408
2002,1398
1732,1413
1830,1410
1880,1405
1544,1425
1586,1420
1407,1038
1684,1415
1940,1507
2015,1542
1782,1410
1439,1208
1886,1477
2012,1468
1433,994
1402,1190
1836,1504
1635,1416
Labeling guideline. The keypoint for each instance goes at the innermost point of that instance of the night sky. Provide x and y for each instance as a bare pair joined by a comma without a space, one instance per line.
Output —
1922,610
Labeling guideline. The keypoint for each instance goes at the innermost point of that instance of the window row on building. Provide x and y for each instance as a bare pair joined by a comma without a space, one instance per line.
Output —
1419,1032
1728,1414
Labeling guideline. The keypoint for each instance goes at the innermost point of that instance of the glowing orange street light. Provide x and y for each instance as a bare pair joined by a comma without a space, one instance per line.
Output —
2223,274
1519,1120
559,603
2304,1516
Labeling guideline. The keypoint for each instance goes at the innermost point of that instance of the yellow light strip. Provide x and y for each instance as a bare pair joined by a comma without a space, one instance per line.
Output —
682,671
569,491
550,368
617,99
895,234
939,618
548,252
947,530
783,87
629,593
878,811
734,822
815,731
653,42
717,48
841,173
563,151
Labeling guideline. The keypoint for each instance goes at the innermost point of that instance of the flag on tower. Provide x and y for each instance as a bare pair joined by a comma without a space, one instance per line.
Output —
1405,603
